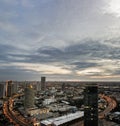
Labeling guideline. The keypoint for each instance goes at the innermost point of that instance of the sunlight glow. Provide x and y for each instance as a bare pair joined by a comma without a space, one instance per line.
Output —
46,69
113,7
90,71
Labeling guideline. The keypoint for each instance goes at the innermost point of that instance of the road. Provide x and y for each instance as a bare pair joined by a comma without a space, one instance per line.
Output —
111,105
19,120
14,116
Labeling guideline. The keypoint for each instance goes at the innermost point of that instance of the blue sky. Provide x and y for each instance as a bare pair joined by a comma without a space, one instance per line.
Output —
60,39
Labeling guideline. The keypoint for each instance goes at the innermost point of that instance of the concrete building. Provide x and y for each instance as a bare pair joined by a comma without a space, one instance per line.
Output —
11,88
38,86
2,90
91,106
15,87
49,101
29,97
43,83
63,87
66,120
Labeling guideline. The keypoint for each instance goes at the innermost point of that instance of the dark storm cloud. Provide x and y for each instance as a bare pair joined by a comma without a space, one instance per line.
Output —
117,72
15,73
78,56
84,50
82,65
10,53
6,48
4,52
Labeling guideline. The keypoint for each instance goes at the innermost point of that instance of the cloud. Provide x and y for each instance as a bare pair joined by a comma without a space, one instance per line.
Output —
89,49
9,53
78,39
83,64
90,71
15,73
44,68
113,7
8,27
56,21
83,50
90,58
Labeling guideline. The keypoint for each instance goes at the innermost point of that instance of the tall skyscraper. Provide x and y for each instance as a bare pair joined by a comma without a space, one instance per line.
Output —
91,105
43,83
2,90
29,97
63,86
11,88
38,85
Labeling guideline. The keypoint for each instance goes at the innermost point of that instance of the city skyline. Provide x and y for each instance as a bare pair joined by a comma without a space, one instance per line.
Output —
60,39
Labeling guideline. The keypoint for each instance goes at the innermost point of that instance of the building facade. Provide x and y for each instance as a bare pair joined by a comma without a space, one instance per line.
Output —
43,83
29,97
91,105
2,90
11,88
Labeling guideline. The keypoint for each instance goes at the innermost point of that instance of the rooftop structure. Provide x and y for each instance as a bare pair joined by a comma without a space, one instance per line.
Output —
63,119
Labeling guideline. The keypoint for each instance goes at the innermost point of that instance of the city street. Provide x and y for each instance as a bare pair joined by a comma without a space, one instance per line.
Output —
14,116
111,105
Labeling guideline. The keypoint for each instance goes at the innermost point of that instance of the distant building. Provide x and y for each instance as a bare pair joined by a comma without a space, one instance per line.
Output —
15,87
43,83
38,86
91,106
49,101
29,97
2,90
63,86
11,88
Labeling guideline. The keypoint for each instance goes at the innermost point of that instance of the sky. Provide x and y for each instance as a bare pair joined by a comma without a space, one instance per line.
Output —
70,40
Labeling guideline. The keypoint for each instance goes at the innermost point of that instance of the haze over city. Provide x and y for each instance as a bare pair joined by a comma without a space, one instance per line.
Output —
60,39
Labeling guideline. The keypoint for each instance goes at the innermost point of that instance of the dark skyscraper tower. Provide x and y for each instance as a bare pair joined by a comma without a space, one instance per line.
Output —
91,106
2,90
63,86
43,84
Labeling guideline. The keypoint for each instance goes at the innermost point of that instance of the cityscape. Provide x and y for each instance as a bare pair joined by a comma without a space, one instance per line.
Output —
59,62
47,103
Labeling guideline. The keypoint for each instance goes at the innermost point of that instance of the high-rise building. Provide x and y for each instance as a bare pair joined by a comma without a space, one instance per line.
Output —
2,90
63,86
15,87
11,88
91,105
29,97
43,83
38,86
